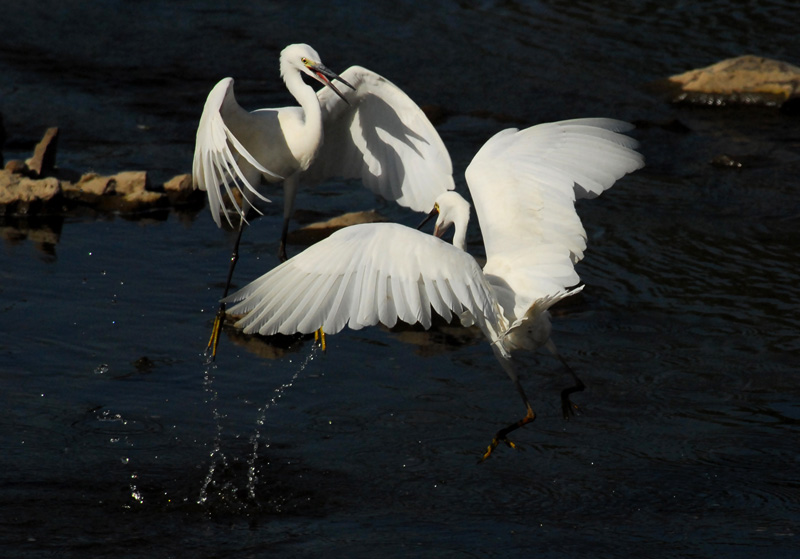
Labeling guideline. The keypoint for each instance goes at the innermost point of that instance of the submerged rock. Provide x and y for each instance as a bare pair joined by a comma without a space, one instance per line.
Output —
315,232
745,80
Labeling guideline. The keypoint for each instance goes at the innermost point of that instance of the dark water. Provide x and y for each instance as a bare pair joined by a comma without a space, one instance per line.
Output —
118,441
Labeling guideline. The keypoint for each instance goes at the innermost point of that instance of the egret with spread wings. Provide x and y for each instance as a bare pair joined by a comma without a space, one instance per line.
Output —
524,184
370,129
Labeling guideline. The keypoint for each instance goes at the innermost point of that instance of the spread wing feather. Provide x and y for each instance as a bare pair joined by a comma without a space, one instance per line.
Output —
363,275
383,138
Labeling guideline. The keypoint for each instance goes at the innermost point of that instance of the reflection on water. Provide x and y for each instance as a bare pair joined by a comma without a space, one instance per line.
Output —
119,441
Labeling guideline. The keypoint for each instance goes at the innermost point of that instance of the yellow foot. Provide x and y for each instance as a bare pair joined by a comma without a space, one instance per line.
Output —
493,445
319,336
502,433
213,341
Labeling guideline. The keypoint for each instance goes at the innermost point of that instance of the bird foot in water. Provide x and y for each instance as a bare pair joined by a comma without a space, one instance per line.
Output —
502,434
213,341
568,408
319,337
493,445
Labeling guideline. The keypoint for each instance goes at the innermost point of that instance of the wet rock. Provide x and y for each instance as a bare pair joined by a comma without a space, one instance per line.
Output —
315,232
92,184
745,80
124,192
20,195
16,166
143,199
179,183
181,191
43,162
130,182
23,190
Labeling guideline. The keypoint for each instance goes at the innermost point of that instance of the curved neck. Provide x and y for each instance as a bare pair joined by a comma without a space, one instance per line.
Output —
305,96
460,232
305,144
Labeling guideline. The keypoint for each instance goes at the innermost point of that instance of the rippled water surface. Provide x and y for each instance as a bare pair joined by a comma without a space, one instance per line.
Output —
119,441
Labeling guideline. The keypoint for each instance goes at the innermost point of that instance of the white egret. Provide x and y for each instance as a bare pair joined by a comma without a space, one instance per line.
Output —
372,131
524,185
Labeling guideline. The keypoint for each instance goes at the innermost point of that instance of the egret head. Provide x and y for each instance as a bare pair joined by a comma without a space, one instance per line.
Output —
450,209
303,58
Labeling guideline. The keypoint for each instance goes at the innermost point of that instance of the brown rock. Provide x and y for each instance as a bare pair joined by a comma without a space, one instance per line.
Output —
315,232
93,184
132,202
8,178
751,80
22,195
43,162
179,183
129,182
16,166
143,198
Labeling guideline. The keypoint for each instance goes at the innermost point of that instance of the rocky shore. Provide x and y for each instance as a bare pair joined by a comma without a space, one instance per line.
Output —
37,187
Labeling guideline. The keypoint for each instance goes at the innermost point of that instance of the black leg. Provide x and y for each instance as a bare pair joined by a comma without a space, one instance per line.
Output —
213,342
502,434
284,234
568,408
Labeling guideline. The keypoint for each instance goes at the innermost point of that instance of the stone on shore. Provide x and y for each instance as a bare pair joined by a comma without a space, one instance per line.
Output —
745,80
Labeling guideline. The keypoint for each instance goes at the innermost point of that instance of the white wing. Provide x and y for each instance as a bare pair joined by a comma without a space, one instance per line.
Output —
383,138
365,274
215,166
524,184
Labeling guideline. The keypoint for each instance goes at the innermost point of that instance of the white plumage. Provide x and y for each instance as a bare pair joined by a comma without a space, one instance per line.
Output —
371,131
524,185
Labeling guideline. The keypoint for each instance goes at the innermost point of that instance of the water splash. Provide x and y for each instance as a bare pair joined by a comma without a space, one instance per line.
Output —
255,438
219,461
217,456
136,495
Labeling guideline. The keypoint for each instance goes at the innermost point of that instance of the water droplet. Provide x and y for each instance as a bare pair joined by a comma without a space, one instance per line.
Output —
101,369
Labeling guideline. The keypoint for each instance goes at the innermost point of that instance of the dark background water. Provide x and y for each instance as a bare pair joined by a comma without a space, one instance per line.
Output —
119,441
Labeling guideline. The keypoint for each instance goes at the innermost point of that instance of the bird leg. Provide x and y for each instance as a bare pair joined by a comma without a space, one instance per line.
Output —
213,342
282,248
289,193
502,434
319,336
568,408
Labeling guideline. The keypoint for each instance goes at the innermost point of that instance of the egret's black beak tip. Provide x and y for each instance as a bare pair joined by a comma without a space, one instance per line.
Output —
428,217
345,83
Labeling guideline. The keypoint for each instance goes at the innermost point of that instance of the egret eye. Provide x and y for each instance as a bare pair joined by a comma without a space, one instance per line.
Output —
304,60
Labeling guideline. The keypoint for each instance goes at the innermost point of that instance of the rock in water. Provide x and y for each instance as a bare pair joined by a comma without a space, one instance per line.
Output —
745,80
43,162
